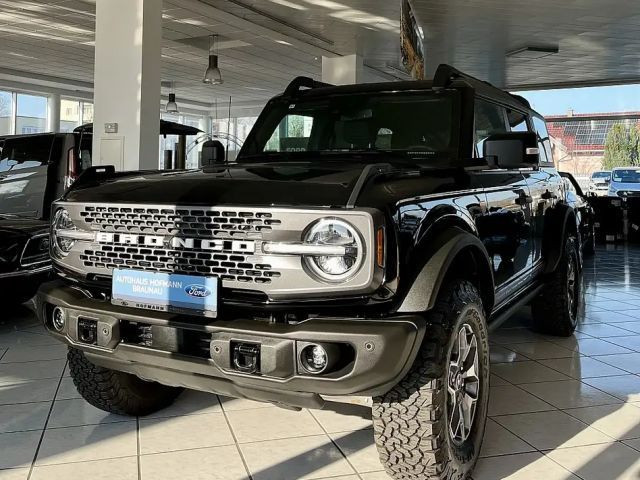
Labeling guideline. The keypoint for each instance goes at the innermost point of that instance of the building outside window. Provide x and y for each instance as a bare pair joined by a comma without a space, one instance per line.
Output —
31,114
74,113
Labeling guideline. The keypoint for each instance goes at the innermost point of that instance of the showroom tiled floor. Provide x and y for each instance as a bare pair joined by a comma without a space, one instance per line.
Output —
561,409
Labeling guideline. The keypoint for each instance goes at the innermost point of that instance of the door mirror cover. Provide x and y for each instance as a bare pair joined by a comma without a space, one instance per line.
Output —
512,150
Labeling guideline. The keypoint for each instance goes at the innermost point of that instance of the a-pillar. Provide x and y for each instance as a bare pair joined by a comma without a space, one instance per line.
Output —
127,83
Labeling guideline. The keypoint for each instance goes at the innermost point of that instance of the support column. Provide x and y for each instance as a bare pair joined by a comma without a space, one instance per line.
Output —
343,70
127,83
53,113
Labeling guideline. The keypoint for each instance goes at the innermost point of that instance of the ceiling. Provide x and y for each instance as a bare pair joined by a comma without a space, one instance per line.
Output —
264,43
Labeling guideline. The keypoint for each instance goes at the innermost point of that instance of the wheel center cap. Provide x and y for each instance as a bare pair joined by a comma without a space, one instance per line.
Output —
459,382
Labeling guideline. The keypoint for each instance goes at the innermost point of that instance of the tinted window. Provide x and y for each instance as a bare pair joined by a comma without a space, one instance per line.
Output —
517,121
489,121
25,152
544,143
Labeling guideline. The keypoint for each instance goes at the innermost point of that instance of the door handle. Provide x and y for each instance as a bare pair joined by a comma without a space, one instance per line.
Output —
524,199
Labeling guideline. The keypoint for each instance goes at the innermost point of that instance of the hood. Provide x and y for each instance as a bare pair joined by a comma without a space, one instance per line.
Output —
625,186
326,184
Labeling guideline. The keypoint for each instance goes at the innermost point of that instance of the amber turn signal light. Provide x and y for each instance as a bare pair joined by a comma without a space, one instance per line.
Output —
380,247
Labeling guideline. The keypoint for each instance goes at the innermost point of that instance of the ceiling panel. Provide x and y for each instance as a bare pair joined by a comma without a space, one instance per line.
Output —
265,43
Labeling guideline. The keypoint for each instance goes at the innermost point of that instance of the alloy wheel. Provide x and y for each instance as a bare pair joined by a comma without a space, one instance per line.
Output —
463,384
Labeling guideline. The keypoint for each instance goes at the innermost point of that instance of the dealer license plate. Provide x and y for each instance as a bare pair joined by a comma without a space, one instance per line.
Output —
165,292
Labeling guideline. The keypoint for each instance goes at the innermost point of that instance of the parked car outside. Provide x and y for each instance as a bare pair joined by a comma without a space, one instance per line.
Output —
625,182
599,183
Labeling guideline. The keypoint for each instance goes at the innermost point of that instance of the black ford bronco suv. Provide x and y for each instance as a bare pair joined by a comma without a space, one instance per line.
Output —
363,243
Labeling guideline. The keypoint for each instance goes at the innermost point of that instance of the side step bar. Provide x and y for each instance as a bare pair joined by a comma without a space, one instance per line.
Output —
506,312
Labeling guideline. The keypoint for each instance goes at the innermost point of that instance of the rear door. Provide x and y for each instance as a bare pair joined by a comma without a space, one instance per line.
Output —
24,164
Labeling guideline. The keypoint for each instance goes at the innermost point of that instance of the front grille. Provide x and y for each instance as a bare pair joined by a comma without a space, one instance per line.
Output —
227,223
216,224
226,266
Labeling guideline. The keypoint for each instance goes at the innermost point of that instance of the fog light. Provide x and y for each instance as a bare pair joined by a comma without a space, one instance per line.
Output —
319,358
58,319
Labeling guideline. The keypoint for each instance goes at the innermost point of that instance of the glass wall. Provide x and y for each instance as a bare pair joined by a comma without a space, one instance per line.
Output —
6,113
74,113
31,114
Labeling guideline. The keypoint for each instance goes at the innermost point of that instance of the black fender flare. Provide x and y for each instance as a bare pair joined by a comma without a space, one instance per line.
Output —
558,223
441,253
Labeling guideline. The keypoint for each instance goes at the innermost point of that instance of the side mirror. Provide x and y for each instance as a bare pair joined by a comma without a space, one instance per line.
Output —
512,150
212,153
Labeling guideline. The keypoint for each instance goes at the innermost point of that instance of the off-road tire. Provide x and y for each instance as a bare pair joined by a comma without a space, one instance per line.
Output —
552,311
117,392
411,420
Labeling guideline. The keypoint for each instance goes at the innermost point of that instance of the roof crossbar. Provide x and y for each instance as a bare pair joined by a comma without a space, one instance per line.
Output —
446,75
299,83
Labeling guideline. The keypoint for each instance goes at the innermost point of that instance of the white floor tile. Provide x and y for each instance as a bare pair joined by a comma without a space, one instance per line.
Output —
620,422
77,412
184,433
217,463
94,442
524,466
499,441
295,459
360,449
275,424
115,469
343,417
570,394
613,461
28,391
549,430
23,417
18,449
510,399
526,372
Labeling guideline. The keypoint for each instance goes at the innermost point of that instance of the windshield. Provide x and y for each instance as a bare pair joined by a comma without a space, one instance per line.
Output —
601,175
627,175
411,124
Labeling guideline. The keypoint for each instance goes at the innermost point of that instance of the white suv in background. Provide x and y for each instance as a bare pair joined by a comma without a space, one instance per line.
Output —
625,182
599,183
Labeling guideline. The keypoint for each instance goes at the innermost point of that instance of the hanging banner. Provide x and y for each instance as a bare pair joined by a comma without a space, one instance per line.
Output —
411,42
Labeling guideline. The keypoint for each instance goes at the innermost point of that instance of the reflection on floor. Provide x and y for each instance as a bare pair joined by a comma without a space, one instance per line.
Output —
560,409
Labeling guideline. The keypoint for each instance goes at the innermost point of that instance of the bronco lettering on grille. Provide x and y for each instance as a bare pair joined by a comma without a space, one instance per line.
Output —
239,246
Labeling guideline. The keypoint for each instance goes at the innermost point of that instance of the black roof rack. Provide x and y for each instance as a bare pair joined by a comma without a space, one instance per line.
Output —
446,74
303,82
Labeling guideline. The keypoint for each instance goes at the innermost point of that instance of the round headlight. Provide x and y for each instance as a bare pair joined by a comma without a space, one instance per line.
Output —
62,221
335,232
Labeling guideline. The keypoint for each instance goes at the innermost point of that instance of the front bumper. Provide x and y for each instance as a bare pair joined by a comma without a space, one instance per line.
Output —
378,352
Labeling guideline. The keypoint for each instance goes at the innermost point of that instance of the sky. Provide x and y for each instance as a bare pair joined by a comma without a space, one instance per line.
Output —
625,98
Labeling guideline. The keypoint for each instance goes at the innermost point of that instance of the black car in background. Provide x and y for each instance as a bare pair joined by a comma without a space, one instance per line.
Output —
34,171
575,197
24,257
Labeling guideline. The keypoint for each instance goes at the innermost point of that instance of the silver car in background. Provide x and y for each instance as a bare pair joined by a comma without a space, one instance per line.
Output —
625,182
599,183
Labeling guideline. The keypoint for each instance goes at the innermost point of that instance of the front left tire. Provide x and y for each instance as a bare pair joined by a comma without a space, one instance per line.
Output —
430,426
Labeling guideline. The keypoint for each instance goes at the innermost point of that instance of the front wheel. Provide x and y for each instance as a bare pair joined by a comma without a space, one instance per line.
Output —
555,311
431,424
117,392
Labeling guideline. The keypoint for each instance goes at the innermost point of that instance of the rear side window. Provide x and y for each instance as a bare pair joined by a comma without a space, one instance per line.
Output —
544,142
490,120
25,152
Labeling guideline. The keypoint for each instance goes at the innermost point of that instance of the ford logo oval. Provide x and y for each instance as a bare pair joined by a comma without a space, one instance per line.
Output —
198,291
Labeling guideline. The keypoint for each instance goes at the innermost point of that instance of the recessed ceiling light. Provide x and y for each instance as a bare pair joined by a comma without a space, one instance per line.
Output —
533,53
